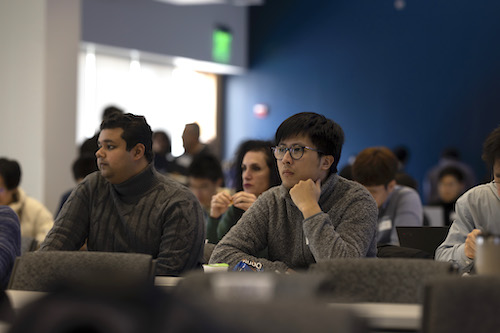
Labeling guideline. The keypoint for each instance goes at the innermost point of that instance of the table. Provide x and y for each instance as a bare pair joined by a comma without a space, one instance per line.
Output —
387,316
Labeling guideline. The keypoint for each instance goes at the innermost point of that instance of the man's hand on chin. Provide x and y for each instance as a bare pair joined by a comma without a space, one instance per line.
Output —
305,194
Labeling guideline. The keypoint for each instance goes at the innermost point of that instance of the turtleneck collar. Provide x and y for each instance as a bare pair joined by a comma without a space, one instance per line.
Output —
136,186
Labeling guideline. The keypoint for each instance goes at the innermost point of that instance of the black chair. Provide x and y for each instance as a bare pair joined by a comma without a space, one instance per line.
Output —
462,304
388,280
46,270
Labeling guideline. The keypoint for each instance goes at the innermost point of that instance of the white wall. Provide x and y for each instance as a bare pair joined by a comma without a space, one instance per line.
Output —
39,41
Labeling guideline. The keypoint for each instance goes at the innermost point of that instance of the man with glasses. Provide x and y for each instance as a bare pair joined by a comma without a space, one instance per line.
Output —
313,215
478,212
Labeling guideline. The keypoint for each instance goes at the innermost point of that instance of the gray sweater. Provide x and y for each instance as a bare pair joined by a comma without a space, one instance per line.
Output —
346,228
148,213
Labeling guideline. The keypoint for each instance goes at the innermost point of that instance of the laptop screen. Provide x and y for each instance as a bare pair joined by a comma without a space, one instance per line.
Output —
423,238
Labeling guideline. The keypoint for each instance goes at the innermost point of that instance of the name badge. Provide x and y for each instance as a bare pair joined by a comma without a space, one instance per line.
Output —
385,225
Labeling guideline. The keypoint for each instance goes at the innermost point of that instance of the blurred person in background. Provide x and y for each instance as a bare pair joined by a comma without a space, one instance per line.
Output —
376,168
256,171
450,187
36,220
205,179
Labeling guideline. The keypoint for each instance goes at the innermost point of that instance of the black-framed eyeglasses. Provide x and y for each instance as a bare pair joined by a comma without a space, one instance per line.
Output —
296,151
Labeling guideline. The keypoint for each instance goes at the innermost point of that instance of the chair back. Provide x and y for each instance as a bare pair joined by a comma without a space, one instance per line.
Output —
46,270
462,304
388,280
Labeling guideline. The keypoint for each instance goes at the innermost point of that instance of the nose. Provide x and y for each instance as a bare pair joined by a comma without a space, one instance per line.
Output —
99,153
287,158
246,174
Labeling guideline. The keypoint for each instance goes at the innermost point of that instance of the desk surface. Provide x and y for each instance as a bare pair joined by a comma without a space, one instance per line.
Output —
389,316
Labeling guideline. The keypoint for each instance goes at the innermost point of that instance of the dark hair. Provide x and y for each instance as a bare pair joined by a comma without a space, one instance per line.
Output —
135,130
375,166
325,134
402,153
84,165
491,147
256,145
162,135
10,171
452,171
451,153
206,166
111,110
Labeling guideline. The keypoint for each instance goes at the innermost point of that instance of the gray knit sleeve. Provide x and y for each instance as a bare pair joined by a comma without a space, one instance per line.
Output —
346,230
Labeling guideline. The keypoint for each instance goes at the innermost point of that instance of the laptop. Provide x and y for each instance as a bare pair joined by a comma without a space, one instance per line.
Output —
423,238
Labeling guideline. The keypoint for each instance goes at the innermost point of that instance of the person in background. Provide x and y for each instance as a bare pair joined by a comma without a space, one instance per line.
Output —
256,172
130,207
10,243
162,148
192,147
82,167
402,153
376,168
205,179
478,212
450,187
36,220
449,157
313,215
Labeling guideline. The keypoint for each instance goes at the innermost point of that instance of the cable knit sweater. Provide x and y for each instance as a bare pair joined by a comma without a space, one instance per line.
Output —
10,243
148,213
347,227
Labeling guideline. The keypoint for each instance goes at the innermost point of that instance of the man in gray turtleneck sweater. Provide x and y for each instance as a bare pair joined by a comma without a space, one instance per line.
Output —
129,207
314,215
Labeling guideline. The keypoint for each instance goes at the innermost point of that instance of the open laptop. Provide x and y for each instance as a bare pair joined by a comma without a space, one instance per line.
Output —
423,238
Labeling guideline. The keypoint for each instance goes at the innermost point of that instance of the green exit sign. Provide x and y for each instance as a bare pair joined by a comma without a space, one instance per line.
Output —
221,45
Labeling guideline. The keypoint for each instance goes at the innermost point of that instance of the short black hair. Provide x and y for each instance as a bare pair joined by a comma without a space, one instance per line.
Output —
206,166
452,171
256,145
135,130
10,171
491,148
325,134
84,165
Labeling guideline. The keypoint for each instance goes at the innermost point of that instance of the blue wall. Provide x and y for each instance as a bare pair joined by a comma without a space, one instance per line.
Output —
427,76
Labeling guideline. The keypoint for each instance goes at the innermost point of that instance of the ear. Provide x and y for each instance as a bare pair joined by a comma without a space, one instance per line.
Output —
326,162
138,151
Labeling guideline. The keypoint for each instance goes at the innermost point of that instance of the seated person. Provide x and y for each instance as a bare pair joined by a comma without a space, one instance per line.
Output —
478,211
451,186
398,205
257,172
82,167
313,215
36,220
10,243
205,179
129,207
